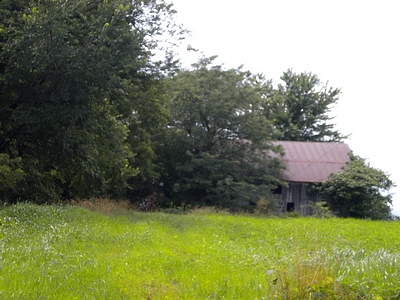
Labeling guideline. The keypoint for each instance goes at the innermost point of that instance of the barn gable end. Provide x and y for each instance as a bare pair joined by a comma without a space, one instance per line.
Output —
306,163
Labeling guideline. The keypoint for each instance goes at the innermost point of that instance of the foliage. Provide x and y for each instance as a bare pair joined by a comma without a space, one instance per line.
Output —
220,138
11,175
131,255
359,191
320,209
71,74
266,206
103,205
299,109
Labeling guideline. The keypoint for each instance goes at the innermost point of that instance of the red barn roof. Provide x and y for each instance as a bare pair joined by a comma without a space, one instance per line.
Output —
313,162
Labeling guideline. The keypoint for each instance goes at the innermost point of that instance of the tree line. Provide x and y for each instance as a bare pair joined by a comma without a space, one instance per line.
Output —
88,110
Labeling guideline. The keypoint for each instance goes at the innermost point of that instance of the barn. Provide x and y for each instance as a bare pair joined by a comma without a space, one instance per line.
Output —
306,163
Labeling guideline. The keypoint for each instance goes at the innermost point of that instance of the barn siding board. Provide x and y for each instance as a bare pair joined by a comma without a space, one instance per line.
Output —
298,194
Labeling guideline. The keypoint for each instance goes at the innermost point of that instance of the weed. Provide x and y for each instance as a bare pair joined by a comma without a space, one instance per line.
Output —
293,214
320,209
209,210
71,252
264,207
150,203
103,205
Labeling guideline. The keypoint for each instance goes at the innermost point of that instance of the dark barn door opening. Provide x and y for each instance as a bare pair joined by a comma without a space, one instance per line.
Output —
290,206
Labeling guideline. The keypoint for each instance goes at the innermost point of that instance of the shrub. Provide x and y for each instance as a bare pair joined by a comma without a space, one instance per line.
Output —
320,209
264,206
11,175
104,205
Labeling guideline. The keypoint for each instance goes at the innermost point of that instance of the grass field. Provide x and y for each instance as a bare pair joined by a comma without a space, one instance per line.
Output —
71,252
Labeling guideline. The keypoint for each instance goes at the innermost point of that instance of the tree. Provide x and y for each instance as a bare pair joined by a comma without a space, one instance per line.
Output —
146,125
299,109
359,191
11,175
71,74
220,138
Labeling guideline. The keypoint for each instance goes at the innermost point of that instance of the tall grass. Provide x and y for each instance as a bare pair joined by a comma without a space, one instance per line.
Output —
69,252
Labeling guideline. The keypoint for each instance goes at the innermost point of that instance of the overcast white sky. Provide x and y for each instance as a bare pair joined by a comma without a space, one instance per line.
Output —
352,44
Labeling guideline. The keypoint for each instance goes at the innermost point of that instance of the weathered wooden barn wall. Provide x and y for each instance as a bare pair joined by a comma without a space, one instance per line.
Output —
296,197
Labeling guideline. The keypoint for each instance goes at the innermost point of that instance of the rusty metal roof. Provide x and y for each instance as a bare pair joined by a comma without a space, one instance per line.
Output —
312,161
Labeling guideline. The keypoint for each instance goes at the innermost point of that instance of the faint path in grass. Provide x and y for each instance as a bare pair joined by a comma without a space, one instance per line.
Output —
55,252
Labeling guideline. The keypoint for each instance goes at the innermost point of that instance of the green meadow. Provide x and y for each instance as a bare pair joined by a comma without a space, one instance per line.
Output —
71,252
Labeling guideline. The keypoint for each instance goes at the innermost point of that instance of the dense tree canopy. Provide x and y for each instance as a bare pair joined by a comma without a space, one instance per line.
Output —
360,191
71,73
299,109
221,137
